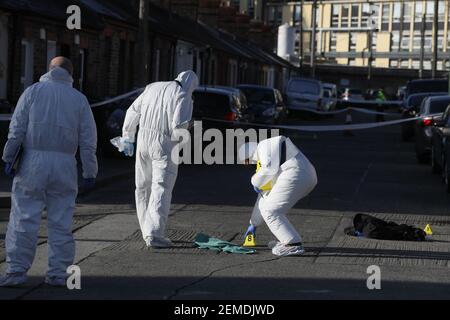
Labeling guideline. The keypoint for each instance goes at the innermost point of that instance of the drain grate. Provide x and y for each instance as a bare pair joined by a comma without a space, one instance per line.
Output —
183,241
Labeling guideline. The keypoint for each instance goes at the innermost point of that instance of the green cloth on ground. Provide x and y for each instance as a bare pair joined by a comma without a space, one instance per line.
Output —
203,241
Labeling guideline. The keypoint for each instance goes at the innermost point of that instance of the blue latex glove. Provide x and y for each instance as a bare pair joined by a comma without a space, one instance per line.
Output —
128,148
9,170
251,229
257,190
88,184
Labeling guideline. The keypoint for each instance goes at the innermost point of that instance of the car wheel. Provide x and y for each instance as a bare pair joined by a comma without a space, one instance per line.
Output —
435,168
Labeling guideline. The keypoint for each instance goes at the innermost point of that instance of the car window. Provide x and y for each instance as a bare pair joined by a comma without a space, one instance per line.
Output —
438,106
308,87
427,86
256,95
326,93
210,104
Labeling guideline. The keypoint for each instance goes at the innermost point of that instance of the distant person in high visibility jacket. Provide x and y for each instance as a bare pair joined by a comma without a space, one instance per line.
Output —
380,97
284,176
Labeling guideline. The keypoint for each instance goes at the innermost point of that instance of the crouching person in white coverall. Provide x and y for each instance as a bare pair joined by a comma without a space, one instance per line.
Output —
284,176
51,121
161,110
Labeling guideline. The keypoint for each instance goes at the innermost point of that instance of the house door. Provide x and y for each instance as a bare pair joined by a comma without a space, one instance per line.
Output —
26,78
3,56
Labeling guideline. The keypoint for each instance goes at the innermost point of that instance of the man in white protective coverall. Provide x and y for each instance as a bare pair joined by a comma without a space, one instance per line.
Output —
284,176
161,110
51,121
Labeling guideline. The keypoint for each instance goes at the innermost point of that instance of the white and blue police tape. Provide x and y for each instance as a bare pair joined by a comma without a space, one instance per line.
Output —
5,117
349,109
123,96
322,128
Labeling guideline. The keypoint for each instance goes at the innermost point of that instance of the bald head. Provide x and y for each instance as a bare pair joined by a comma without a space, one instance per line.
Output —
63,63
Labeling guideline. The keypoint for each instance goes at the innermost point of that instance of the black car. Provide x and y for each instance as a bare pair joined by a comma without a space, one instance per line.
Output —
440,147
110,119
425,85
265,104
219,107
410,108
431,110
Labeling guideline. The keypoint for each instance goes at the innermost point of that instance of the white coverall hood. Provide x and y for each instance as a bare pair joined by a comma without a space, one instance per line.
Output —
247,151
58,74
188,80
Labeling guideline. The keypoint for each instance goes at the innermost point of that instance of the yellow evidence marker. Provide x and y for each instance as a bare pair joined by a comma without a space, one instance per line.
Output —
249,241
428,230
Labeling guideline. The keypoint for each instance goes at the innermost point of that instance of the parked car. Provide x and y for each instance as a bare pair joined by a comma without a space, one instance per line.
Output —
304,93
218,103
440,148
109,119
425,85
440,130
330,96
410,108
265,104
432,108
352,95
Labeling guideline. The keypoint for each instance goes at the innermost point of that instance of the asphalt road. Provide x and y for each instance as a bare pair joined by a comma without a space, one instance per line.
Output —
371,172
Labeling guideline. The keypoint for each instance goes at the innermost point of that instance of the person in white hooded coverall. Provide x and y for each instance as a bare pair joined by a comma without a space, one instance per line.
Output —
51,121
161,110
284,176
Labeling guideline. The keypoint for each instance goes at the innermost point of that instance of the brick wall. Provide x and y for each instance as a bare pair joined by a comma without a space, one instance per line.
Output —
102,59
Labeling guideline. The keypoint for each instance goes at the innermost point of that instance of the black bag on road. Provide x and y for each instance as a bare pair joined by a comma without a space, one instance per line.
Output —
371,227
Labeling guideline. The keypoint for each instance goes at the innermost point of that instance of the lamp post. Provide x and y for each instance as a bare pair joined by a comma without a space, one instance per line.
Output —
435,38
313,40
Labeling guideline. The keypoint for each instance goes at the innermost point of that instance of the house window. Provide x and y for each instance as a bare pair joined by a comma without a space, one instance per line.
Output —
366,14
395,40
51,51
352,41
27,64
296,15
430,10
405,41
385,16
344,15
406,14
335,16
355,15
397,13
393,63
275,15
419,11
82,79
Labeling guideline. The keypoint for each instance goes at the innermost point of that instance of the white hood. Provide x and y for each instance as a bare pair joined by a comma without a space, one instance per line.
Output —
188,80
58,74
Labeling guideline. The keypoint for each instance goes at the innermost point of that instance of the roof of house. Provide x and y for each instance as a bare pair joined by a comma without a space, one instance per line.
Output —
161,21
53,9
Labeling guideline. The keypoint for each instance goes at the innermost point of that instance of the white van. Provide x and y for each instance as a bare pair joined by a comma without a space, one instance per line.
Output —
304,93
